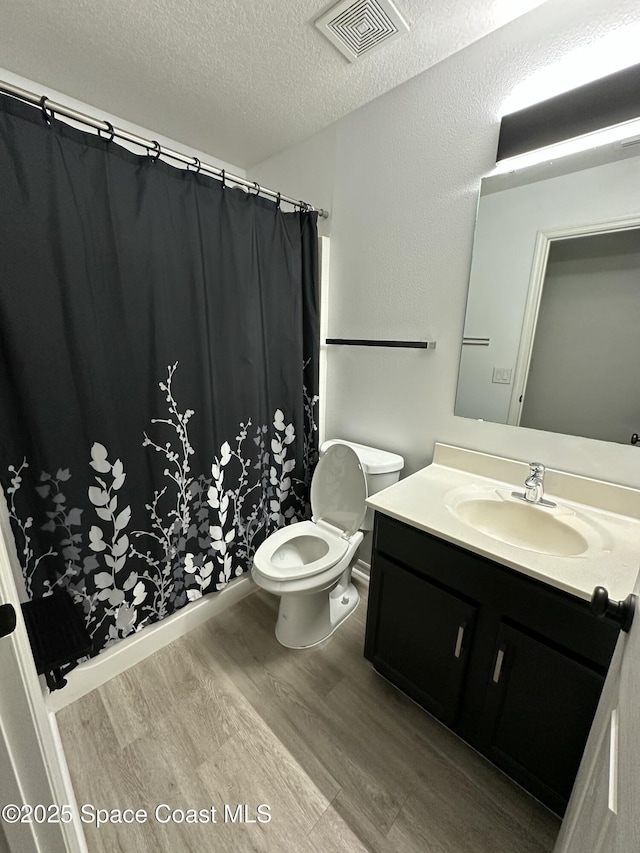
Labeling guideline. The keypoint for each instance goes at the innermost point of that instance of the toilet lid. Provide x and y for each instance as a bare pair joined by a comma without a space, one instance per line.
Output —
339,489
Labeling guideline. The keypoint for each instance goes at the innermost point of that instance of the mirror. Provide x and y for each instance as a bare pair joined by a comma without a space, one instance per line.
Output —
552,327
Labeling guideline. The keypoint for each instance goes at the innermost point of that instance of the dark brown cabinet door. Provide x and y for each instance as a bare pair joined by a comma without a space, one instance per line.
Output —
539,707
421,635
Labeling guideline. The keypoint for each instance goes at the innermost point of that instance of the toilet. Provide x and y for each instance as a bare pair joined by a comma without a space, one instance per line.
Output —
308,564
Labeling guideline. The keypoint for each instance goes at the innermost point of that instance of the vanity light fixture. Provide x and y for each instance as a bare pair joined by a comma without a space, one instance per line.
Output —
601,112
624,134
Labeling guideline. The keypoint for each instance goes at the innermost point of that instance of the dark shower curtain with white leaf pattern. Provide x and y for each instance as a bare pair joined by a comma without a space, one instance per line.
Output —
158,372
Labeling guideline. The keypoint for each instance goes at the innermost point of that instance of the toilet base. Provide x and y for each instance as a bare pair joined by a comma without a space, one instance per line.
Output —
306,620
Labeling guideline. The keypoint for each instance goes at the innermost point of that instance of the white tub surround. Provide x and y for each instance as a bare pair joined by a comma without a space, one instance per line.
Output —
604,516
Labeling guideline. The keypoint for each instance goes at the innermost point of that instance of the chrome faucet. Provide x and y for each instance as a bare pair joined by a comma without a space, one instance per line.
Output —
534,486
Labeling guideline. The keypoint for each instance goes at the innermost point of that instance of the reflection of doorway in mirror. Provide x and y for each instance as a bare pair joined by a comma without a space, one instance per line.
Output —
580,350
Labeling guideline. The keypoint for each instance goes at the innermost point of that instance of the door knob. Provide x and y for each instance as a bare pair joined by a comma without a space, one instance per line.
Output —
7,619
635,438
619,611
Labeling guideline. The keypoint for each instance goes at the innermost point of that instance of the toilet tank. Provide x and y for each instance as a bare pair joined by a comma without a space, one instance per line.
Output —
381,467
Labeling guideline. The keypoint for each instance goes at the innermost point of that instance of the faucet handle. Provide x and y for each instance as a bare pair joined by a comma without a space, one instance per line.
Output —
536,469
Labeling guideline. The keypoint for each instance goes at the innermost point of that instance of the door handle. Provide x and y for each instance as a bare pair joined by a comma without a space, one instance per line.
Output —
7,619
635,438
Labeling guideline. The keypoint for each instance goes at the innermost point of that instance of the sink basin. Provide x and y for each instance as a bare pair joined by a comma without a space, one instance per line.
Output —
557,531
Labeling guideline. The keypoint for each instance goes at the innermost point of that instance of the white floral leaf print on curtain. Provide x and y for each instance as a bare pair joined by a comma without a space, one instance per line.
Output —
202,530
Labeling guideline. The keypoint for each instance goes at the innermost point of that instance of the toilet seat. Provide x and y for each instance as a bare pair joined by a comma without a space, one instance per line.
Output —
308,548
276,557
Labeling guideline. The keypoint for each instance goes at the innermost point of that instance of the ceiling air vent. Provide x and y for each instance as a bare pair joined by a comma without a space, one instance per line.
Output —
358,27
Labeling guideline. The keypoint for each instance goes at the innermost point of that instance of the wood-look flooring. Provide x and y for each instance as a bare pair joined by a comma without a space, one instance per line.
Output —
344,761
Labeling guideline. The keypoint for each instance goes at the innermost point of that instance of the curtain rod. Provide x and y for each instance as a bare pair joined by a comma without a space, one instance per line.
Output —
151,145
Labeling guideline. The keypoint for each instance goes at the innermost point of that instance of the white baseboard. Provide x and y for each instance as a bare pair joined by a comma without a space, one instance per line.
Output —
361,570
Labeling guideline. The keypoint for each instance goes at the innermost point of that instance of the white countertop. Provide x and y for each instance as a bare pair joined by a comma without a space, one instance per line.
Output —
421,501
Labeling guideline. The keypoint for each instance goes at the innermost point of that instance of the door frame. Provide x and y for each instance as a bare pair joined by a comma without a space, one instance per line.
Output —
534,295
609,779
39,765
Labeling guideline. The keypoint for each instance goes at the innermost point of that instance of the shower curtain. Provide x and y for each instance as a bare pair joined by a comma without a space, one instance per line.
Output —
158,372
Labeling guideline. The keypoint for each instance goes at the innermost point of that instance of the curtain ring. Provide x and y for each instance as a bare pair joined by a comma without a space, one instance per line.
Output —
258,188
156,148
43,107
197,164
278,201
109,128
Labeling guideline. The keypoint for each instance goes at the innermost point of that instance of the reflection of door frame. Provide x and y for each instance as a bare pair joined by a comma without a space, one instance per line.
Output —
534,295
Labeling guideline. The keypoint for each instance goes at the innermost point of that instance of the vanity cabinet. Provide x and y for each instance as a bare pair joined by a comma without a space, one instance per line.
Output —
512,665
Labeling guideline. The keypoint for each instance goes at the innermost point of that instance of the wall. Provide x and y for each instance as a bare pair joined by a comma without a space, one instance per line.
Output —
401,178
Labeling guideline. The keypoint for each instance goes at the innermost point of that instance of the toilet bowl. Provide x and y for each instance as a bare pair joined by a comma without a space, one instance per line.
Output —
308,564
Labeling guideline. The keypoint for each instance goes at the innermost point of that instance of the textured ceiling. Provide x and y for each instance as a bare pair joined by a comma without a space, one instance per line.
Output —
241,79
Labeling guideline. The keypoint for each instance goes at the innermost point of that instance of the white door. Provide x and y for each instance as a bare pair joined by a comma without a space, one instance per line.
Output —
30,769
602,815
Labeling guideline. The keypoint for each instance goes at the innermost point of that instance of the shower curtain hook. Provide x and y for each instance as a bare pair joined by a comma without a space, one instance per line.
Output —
109,128
224,180
278,201
43,101
157,149
197,164
258,188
